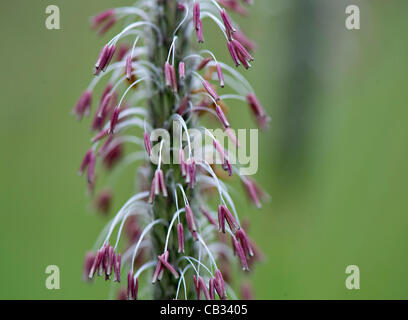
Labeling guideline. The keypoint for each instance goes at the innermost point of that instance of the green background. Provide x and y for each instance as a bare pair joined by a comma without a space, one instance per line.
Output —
334,160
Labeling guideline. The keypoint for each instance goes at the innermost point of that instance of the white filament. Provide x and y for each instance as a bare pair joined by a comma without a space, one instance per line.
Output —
135,122
184,194
208,250
183,123
127,90
182,272
208,168
237,75
145,231
144,267
170,226
116,38
198,262
182,21
216,20
135,198
132,10
232,96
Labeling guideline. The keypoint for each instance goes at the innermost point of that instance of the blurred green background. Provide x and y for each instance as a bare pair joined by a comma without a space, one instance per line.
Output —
333,161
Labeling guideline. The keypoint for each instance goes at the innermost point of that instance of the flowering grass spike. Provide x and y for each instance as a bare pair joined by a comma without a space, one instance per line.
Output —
166,241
